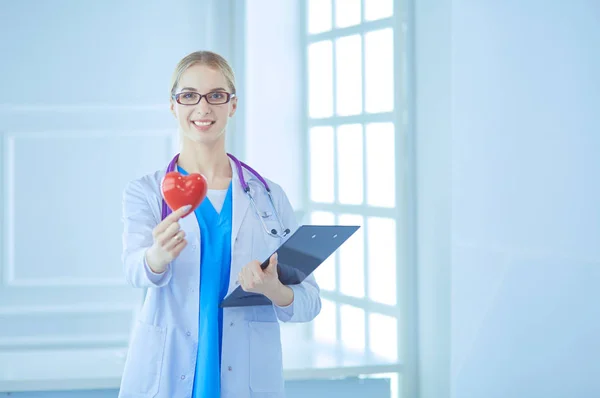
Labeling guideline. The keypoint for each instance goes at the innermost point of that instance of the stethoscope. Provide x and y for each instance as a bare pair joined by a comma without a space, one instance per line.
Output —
261,216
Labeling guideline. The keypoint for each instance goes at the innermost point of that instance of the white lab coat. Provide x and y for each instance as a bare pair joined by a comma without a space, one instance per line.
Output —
162,352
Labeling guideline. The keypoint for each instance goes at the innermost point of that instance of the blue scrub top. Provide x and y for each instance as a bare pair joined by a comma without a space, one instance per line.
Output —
215,264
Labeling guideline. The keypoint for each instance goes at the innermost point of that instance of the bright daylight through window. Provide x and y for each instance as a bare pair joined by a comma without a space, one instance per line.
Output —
354,161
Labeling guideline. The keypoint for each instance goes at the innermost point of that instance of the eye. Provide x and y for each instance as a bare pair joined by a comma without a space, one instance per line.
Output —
217,96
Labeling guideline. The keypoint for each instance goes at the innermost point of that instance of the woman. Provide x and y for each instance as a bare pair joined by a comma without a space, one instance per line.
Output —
183,344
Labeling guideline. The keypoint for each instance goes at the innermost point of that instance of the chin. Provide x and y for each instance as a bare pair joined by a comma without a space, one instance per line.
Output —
207,137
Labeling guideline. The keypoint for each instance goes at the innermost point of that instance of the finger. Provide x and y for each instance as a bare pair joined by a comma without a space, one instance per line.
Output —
174,241
178,248
255,267
255,272
248,276
163,227
245,283
272,266
168,234
171,218
273,260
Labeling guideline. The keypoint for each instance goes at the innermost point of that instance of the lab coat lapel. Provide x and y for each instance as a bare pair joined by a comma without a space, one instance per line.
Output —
240,202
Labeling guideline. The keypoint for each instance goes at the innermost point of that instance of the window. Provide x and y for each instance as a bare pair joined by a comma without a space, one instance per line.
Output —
358,173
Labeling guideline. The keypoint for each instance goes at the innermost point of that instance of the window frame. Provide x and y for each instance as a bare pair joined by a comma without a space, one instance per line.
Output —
404,213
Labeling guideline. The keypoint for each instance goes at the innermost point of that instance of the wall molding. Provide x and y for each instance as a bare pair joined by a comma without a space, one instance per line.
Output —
78,328
79,308
7,149
65,341
79,108
11,281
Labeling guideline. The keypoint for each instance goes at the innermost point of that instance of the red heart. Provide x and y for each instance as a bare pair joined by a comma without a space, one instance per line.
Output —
179,190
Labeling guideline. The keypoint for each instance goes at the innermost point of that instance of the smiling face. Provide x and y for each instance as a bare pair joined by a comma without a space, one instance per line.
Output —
203,122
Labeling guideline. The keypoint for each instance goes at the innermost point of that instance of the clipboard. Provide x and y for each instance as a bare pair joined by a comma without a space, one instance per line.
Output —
297,258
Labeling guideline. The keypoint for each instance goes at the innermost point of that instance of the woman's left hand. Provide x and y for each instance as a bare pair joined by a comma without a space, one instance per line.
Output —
254,279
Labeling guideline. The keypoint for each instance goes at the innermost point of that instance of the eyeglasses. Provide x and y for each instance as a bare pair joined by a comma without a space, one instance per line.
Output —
193,98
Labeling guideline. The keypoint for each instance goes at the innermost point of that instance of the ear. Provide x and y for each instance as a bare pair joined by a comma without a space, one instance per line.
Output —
233,107
172,107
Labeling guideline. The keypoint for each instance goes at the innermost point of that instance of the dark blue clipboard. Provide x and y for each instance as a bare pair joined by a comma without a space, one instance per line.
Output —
297,258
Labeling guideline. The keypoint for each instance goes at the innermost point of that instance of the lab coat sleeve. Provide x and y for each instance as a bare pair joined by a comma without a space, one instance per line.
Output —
307,300
139,221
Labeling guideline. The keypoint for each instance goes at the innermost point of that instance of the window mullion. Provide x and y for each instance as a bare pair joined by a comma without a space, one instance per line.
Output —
352,119
365,193
365,26
338,315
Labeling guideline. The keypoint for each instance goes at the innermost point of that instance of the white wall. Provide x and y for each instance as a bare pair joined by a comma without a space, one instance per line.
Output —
273,111
84,108
525,213
506,100
433,137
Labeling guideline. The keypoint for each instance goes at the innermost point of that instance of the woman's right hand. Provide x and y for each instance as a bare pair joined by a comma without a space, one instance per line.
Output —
169,241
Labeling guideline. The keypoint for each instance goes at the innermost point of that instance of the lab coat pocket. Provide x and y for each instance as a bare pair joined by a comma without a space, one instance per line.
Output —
266,368
144,360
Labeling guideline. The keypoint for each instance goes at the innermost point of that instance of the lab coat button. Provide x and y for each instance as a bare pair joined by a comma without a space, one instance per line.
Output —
182,377
188,334
229,368
193,247
231,324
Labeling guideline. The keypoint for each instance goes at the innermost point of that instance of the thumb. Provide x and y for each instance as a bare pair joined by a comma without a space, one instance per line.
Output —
273,262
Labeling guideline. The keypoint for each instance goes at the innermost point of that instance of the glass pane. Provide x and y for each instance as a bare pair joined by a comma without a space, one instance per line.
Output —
325,273
319,16
325,325
348,75
322,218
378,9
352,259
347,13
321,164
383,336
382,259
381,175
353,327
320,79
379,71
350,164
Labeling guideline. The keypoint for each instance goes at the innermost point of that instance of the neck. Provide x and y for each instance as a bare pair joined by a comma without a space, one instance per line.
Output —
210,161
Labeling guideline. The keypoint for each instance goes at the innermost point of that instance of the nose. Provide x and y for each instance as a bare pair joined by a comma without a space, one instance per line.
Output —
203,106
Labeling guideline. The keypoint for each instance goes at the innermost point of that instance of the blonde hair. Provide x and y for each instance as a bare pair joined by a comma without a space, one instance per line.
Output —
207,58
